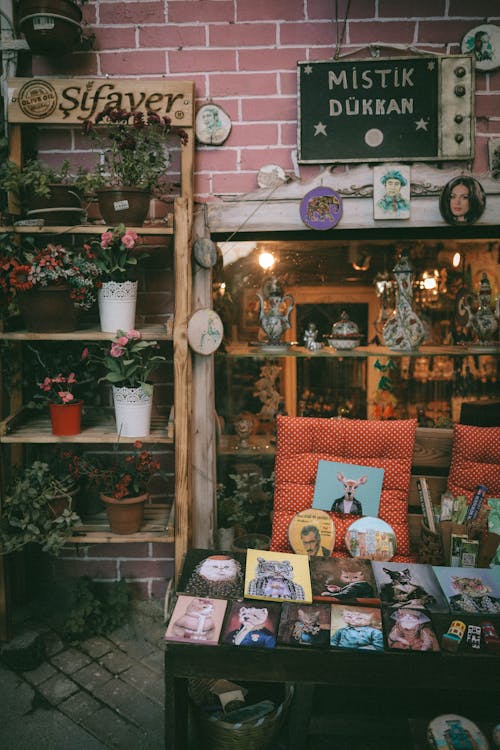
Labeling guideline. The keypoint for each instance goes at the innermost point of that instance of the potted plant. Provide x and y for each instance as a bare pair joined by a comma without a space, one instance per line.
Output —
32,512
49,282
116,261
135,161
122,482
44,192
52,27
246,505
129,363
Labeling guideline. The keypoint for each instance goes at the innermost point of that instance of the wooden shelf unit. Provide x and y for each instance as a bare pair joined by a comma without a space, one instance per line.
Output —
162,523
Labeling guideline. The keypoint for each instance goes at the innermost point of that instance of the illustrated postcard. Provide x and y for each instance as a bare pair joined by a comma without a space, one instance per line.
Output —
348,488
278,576
196,620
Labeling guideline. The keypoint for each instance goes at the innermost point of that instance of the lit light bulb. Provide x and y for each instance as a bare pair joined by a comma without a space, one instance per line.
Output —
266,260
456,260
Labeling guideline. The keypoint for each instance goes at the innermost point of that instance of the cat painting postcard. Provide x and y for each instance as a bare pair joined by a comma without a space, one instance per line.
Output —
208,573
357,628
343,579
409,585
409,630
350,489
304,625
196,620
278,576
253,624
473,591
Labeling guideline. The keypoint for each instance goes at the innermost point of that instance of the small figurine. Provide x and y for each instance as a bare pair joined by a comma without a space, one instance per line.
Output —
310,338
452,639
490,635
474,637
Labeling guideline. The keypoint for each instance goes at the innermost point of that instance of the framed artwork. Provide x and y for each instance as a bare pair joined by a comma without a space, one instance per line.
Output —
349,489
215,574
358,628
196,620
304,625
343,579
278,576
411,585
483,42
391,191
253,624
462,200
409,630
212,125
371,538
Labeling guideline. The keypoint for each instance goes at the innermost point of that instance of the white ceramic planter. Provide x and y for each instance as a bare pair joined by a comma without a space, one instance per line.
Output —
117,303
133,410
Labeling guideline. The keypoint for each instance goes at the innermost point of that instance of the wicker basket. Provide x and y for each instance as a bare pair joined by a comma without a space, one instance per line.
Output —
250,735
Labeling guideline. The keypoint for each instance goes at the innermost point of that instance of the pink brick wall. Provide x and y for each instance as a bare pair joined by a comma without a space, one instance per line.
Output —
243,56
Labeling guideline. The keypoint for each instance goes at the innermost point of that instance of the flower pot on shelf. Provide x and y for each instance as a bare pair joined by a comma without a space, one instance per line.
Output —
133,410
124,205
117,304
125,516
48,309
59,503
66,419
51,27
62,208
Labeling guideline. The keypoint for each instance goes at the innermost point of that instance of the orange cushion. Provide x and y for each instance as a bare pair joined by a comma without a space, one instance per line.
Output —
303,441
475,459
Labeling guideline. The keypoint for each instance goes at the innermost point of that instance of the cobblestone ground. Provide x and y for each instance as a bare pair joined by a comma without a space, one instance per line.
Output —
106,692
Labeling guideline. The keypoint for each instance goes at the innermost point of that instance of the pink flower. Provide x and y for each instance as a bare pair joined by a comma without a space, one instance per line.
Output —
65,396
133,335
122,341
45,386
106,240
71,378
129,239
59,378
85,353
116,350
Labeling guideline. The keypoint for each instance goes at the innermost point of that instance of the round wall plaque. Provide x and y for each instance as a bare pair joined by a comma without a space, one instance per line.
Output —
271,176
205,331
371,538
312,532
321,208
212,125
205,252
484,44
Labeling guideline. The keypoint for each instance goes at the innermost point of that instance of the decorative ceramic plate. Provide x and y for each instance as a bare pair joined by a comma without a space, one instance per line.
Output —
205,331
483,42
205,252
312,532
454,731
321,208
371,538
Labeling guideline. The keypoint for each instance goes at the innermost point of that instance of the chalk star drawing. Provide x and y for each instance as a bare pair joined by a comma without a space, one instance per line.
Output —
431,65
319,129
421,124
308,70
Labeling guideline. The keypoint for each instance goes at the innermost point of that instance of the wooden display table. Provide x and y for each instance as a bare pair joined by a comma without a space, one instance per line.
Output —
418,684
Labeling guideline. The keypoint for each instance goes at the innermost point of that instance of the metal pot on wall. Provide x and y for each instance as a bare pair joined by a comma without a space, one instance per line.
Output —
51,27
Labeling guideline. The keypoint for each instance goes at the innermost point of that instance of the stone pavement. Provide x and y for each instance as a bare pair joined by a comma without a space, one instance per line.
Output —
106,692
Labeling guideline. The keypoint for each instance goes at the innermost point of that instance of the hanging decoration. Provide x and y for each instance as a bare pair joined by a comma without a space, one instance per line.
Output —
321,208
483,42
212,125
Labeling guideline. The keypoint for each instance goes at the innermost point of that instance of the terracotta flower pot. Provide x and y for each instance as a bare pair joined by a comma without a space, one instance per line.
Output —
48,309
59,503
125,516
66,419
125,205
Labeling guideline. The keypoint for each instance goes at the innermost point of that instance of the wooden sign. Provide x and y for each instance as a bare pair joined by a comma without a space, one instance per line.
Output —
71,101
418,108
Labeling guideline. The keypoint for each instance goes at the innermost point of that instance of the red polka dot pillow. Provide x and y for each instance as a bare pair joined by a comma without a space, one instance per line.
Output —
475,459
303,441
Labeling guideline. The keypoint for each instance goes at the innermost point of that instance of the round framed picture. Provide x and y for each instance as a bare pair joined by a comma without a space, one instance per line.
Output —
212,125
312,532
321,208
371,538
484,43
462,200
205,331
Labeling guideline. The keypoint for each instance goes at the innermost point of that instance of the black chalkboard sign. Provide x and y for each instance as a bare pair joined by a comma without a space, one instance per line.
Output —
373,110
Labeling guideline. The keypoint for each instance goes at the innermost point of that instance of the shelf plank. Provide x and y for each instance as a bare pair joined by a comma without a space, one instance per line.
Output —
159,331
98,427
360,352
156,528
163,229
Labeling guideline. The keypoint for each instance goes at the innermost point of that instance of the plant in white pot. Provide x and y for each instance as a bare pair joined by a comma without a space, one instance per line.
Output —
135,160
116,260
129,362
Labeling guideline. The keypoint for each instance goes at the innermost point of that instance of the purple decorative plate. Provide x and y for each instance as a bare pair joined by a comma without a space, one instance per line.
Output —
321,208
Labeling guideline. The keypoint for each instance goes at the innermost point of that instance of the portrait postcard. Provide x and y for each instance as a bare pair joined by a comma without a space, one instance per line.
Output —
358,628
343,579
304,625
278,576
348,488
212,574
253,624
196,620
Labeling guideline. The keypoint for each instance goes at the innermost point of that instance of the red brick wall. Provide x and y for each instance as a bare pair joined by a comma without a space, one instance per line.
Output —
243,56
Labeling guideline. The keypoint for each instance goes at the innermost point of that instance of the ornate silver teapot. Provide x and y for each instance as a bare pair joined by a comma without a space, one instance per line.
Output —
275,309
481,319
